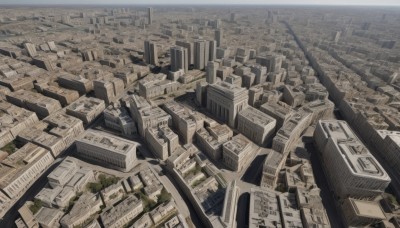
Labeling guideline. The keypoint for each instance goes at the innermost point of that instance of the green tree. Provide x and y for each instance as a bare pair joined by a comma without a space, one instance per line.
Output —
164,196
35,207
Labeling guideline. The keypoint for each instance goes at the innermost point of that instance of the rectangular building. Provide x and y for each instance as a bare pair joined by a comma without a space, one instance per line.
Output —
112,151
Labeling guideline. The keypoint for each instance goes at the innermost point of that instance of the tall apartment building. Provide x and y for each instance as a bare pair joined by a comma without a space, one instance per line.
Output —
179,59
212,72
219,37
150,53
201,54
190,50
150,15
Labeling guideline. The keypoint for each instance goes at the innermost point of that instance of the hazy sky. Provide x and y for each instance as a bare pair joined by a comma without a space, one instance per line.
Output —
318,2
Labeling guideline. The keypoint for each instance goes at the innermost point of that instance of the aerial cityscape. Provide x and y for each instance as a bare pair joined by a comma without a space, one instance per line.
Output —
184,116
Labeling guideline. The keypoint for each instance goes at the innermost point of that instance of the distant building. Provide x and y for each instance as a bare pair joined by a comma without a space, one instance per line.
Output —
201,54
150,15
179,59
212,72
150,53
219,34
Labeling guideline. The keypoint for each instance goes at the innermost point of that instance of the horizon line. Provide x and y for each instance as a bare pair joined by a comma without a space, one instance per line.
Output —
177,4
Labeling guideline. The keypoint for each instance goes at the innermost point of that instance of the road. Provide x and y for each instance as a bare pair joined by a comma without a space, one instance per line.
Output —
328,198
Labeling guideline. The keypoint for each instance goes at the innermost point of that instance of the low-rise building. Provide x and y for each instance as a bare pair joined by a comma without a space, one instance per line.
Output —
49,217
256,125
264,209
289,210
86,109
162,141
277,110
210,139
117,117
43,106
272,165
185,121
22,168
87,205
238,152
63,173
362,212
287,137
112,151
121,214
13,120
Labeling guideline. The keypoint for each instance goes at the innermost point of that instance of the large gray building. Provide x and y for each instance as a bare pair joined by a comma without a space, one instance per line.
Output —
226,100
219,37
150,53
179,59
350,167
201,53
212,72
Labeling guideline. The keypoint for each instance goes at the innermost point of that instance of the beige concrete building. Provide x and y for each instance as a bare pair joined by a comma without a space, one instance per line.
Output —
86,109
320,109
112,151
185,121
351,169
108,89
277,110
155,85
289,209
117,117
264,209
65,126
121,214
359,213
22,168
225,101
63,95
49,217
61,175
35,102
162,141
38,136
312,210
87,205
272,165
238,152
13,120
210,139
256,125
290,132
147,116
77,83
